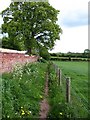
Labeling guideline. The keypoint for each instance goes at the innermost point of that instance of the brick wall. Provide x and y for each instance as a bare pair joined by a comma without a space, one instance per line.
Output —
9,59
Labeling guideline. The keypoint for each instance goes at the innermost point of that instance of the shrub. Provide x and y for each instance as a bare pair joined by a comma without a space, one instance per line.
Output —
42,60
44,53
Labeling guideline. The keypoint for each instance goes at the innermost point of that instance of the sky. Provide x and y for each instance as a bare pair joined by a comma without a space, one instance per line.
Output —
73,19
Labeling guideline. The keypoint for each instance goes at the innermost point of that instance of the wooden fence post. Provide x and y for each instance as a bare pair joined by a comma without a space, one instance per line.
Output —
54,65
55,68
68,89
57,71
60,76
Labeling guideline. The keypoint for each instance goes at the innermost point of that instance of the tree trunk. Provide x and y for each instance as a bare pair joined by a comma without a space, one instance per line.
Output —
29,51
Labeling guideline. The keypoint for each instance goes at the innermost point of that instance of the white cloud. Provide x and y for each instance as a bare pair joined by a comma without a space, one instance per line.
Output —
73,40
71,10
73,19
69,4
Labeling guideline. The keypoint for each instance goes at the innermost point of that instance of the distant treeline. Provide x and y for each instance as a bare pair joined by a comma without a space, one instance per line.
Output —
75,55
85,56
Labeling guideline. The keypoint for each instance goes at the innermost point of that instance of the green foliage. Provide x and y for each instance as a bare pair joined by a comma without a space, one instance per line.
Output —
12,44
42,60
69,54
86,51
59,108
33,23
22,91
44,53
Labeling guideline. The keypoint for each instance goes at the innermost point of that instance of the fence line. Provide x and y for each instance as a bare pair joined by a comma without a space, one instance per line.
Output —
70,91
59,81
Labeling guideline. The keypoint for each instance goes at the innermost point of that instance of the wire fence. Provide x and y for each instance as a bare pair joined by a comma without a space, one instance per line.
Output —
72,94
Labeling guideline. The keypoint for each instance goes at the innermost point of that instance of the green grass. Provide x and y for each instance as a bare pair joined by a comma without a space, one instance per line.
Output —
78,72
22,91
59,108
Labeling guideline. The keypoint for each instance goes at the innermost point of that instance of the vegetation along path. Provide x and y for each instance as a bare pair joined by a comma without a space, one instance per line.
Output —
44,105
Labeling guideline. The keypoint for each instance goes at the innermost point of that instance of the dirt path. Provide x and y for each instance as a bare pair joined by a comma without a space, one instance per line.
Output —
44,106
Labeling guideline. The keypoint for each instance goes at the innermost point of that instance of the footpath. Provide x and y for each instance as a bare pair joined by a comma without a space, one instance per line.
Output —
44,105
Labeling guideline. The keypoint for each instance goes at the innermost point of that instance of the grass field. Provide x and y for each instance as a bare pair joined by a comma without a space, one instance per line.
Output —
78,72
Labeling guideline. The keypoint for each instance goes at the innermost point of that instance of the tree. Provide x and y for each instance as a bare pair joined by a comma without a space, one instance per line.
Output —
86,53
44,53
34,23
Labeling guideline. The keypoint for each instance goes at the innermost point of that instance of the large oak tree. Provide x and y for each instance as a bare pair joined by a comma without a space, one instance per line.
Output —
32,24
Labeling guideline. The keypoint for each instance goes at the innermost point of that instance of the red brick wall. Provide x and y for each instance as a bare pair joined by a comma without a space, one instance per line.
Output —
8,60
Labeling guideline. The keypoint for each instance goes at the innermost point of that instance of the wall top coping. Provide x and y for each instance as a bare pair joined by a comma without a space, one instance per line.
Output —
11,51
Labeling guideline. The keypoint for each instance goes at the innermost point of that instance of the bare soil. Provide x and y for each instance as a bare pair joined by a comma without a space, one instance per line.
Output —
44,105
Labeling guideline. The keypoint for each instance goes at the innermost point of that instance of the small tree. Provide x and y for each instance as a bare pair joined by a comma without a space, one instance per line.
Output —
87,53
44,53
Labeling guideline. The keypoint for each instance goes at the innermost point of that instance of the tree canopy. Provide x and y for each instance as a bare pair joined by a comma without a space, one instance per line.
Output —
30,25
87,51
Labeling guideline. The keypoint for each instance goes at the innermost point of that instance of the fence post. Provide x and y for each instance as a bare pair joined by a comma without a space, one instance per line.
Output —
55,68
68,89
57,71
60,76
54,65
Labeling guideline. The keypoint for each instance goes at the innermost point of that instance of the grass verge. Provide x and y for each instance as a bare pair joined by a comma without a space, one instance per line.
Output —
22,91
59,107
78,107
